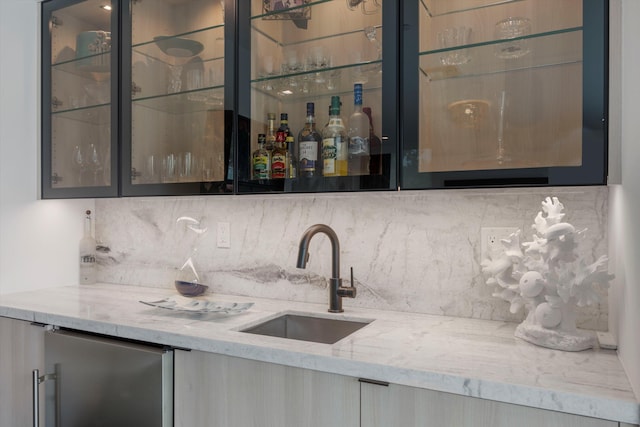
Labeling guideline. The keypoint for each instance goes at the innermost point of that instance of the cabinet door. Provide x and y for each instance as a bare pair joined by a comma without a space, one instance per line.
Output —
407,406
21,351
216,390
504,93
177,97
308,51
79,98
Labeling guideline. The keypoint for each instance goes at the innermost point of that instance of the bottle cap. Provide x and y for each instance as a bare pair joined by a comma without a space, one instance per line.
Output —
262,138
335,105
310,109
271,116
284,116
357,94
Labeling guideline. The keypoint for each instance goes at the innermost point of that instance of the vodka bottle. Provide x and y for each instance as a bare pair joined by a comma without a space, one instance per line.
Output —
261,160
334,143
310,146
375,146
358,136
87,253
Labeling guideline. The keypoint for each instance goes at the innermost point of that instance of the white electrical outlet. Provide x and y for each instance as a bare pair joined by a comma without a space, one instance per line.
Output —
224,235
490,241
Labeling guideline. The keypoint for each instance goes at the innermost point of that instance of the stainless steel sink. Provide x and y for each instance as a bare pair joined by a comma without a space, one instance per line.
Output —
307,328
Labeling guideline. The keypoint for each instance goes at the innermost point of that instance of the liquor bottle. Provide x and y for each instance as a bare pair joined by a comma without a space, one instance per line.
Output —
261,160
87,253
358,136
292,160
334,143
271,132
310,146
279,161
283,131
375,146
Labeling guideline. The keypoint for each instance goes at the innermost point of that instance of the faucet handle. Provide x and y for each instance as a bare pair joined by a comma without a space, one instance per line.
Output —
348,291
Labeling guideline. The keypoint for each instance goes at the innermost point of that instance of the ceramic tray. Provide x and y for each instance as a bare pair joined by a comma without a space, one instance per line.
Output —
199,306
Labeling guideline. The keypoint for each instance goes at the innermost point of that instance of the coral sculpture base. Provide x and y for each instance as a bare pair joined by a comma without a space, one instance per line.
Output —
558,340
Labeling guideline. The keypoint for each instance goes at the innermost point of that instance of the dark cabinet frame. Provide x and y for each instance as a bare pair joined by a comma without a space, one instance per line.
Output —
399,116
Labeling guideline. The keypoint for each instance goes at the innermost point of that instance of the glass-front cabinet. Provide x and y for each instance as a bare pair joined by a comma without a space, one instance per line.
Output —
304,62
176,139
79,108
135,97
171,97
507,92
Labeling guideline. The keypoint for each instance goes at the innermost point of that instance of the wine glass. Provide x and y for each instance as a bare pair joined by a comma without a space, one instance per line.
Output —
94,161
78,162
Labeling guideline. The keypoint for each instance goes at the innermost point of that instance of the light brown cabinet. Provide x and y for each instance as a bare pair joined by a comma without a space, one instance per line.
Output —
21,351
396,405
216,390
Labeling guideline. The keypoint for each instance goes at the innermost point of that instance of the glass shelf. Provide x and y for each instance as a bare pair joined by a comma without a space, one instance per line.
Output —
96,67
205,99
539,50
297,25
94,114
207,43
446,7
327,81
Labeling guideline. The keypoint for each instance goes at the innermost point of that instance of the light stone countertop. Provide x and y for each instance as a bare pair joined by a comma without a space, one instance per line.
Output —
457,355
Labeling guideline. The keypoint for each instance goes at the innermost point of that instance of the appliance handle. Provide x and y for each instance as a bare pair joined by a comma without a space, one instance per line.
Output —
36,380
35,384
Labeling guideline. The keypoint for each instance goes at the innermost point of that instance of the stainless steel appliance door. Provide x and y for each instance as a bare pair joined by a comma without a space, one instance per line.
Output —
105,382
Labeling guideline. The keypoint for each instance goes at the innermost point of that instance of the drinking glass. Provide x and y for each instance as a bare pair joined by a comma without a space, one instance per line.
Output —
453,37
512,29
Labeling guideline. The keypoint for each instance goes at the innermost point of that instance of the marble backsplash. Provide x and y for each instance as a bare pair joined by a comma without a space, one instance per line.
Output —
415,251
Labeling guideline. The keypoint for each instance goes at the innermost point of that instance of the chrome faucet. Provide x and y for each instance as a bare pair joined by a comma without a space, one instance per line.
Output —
336,290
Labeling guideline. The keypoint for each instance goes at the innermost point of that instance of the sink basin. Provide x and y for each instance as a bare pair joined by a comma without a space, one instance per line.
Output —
307,328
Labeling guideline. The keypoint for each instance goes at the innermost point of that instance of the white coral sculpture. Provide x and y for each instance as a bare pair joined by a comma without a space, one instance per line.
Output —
547,278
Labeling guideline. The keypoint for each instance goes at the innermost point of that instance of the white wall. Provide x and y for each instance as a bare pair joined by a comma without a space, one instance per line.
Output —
38,239
624,197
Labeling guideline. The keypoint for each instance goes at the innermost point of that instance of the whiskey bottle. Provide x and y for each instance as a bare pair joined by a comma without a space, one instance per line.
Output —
310,146
271,132
334,143
292,160
283,131
358,136
261,160
279,161
375,146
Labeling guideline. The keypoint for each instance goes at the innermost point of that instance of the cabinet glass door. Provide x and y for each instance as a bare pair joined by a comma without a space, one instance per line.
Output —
78,99
177,141
508,92
306,52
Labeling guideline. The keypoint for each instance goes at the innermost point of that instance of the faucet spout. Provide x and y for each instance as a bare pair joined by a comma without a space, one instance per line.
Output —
336,290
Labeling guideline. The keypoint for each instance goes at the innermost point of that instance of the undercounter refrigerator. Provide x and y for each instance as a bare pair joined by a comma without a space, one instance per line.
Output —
93,381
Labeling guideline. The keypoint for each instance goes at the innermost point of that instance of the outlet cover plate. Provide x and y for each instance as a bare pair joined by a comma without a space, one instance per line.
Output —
223,235
490,241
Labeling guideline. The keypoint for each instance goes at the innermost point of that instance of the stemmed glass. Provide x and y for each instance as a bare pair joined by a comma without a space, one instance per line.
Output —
94,161
78,162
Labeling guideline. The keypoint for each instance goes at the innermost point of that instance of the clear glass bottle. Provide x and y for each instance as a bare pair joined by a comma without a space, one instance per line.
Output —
334,143
292,160
310,146
261,160
375,146
358,136
271,132
87,253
